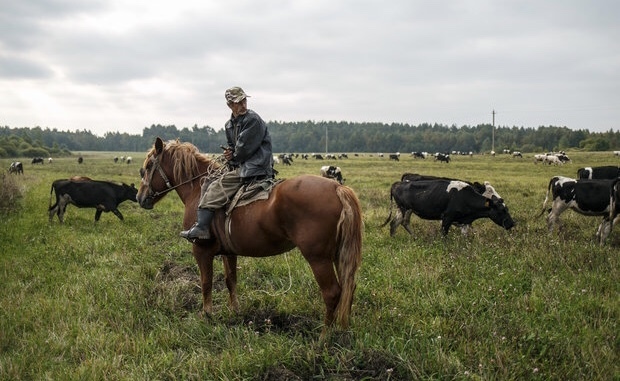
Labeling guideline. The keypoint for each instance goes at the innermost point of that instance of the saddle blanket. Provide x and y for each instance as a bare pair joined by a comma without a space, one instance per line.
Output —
251,192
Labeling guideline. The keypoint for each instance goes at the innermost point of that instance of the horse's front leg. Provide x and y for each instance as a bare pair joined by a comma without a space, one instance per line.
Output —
205,264
230,274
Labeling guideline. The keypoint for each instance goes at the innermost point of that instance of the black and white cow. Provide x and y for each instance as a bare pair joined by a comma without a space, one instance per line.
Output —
16,167
486,189
452,202
105,196
395,156
609,172
584,196
442,157
332,172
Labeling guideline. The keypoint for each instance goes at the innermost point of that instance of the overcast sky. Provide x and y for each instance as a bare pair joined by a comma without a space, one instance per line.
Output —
122,65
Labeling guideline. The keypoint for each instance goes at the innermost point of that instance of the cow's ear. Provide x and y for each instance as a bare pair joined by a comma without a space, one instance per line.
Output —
159,145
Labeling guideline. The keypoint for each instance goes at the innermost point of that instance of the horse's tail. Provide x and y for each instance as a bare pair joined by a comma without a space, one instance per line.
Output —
349,255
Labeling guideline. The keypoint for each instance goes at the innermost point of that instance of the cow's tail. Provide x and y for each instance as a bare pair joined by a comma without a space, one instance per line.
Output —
553,179
349,255
389,217
50,207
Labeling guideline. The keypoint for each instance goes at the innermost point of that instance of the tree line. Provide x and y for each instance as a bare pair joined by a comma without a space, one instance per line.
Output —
313,136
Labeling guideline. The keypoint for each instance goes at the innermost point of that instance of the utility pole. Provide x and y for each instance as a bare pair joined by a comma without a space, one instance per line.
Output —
326,151
493,134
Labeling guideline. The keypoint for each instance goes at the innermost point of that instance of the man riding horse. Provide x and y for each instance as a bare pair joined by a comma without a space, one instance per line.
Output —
249,156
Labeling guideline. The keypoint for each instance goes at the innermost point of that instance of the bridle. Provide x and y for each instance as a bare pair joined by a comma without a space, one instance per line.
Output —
210,173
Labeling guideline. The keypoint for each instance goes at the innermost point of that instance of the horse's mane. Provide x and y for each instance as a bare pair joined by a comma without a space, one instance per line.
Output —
186,158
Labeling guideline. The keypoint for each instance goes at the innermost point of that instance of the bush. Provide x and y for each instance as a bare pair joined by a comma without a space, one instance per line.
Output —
35,151
11,193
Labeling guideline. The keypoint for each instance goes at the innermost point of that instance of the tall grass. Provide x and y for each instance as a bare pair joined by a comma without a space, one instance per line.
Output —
120,299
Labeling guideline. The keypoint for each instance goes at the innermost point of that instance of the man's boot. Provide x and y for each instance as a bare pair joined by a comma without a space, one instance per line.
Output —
200,230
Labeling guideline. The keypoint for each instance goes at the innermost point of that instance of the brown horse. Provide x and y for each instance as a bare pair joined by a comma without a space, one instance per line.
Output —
319,216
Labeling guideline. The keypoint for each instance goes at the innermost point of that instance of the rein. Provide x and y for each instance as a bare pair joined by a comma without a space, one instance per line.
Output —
211,173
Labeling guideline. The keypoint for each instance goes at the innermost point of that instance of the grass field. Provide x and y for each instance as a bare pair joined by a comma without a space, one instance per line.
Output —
118,300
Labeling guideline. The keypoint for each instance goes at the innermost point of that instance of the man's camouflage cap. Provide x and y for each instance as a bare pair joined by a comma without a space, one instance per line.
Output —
235,94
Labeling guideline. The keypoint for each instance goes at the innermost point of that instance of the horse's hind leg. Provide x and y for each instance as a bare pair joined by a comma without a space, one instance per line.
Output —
323,270
230,274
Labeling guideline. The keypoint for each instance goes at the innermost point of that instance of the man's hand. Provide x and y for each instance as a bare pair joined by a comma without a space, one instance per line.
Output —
228,154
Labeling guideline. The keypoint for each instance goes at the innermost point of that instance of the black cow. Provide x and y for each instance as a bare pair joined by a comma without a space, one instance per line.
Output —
105,196
16,167
485,189
609,172
584,196
332,172
452,202
37,160
395,156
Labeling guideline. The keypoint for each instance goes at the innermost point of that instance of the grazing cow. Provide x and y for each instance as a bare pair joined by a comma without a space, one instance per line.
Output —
332,172
485,189
584,196
50,160
317,156
517,154
395,156
129,159
540,157
442,157
609,172
16,167
86,193
452,202
80,160
37,160
418,154
552,159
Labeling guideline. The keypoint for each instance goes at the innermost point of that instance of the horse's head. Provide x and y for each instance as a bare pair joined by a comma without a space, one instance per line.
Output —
155,180
169,166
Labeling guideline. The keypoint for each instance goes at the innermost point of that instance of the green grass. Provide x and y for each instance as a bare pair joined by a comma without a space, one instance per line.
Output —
118,300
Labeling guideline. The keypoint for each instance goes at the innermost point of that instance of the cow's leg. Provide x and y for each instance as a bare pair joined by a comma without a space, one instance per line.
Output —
98,214
118,214
62,206
603,230
553,219
465,229
230,275
407,221
445,225
398,219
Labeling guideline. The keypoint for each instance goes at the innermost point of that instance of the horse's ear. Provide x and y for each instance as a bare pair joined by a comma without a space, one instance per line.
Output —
159,145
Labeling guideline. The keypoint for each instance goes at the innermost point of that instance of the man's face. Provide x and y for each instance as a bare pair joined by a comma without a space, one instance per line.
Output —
238,108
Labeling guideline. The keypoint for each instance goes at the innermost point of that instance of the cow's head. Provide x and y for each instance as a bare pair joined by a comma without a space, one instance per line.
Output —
498,212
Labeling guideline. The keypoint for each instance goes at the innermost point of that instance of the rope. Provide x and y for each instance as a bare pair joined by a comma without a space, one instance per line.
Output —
290,281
